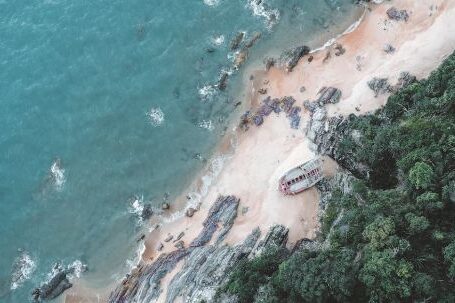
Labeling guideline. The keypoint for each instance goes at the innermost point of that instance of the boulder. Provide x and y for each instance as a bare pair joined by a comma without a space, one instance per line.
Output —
190,212
54,288
292,57
389,49
147,212
329,95
165,206
269,62
380,86
398,15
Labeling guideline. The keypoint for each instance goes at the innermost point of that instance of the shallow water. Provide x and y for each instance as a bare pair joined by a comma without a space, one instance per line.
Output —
104,101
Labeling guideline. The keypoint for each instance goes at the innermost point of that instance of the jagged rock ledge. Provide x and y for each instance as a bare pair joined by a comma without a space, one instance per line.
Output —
205,267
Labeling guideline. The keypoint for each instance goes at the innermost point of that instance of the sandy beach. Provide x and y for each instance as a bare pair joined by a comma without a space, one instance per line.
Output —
263,154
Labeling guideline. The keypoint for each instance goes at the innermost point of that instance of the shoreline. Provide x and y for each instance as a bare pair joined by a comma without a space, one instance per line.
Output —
251,161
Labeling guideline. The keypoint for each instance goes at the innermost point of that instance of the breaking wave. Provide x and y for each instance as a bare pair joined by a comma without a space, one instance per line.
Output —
207,92
206,124
211,2
217,40
23,267
57,174
155,116
260,9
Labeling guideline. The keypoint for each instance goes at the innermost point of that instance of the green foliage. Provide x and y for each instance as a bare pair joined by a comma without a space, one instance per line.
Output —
421,175
393,238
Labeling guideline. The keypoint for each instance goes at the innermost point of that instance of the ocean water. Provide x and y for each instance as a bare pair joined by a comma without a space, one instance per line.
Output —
107,102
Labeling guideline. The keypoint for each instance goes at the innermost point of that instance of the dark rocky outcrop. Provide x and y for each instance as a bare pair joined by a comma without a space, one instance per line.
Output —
254,38
329,95
389,49
54,288
143,283
326,134
397,15
237,40
269,62
147,212
292,57
222,82
205,267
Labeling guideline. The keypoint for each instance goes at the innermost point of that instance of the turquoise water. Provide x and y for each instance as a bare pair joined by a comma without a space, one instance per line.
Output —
102,101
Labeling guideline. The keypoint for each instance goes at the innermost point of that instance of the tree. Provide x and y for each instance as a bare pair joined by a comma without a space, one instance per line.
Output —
421,175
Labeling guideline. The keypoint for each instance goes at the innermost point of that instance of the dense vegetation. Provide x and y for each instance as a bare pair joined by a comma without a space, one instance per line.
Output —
393,238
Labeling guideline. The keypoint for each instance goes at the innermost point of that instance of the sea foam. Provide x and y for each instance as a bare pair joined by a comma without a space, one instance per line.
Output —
155,116
260,9
211,2
57,174
23,268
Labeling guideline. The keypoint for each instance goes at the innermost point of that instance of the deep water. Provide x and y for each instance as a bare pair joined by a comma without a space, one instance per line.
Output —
103,101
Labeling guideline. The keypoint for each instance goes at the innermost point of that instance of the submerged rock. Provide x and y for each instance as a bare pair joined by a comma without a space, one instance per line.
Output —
235,43
256,36
222,82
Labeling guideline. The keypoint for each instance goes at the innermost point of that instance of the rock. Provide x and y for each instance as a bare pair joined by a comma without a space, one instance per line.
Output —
190,212
256,36
160,247
310,58
380,86
405,79
179,236
310,106
397,15
339,49
240,58
329,95
222,82
389,49
245,120
169,238
326,134
269,62
328,54
205,267
147,212
262,91
258,120
245,210
142,237
292,57
180,245
54,288
165,206
302,89
235,43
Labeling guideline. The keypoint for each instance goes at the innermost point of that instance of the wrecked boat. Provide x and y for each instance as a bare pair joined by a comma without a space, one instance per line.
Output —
301,177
